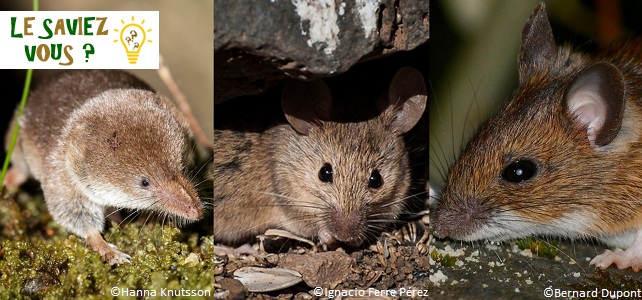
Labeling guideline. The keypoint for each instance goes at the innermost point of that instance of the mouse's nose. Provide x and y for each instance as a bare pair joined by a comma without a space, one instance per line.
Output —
458,218
349,225
440,227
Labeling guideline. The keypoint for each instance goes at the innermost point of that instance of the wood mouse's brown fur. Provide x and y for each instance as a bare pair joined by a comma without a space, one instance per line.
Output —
336,181
563,157
102,138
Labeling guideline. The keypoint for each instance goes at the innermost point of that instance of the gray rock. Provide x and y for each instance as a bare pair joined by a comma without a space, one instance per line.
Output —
258,43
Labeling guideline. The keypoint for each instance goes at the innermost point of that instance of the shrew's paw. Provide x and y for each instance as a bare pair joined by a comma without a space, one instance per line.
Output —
108,252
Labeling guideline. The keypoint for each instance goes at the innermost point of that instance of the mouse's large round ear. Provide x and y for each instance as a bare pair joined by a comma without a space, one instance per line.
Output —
407,94
305,104
596,100
538,44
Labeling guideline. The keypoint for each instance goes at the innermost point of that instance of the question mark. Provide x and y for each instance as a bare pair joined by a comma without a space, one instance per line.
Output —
89,49
132,35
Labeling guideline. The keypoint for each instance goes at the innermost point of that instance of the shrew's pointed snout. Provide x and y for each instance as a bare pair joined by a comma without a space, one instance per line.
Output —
179,197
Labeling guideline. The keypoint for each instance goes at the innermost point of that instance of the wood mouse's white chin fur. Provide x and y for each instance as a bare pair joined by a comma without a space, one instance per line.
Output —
506,225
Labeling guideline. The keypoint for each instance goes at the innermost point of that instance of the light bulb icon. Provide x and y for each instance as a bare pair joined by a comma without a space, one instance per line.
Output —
132,37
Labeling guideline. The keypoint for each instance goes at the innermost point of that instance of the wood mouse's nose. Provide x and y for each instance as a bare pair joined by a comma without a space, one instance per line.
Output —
441,226
347,226
459,219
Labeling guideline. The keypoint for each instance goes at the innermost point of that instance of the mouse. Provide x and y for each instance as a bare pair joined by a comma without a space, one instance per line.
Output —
98,139
335,181
562,158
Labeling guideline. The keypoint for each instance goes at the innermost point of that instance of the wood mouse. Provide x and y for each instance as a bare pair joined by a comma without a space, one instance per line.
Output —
562,158
340,182
103,138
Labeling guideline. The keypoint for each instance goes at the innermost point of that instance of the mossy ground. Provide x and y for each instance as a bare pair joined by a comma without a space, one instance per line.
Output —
40,260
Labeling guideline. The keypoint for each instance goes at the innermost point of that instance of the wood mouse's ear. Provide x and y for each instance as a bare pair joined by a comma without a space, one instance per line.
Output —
538,44
596,100
305,104
407,95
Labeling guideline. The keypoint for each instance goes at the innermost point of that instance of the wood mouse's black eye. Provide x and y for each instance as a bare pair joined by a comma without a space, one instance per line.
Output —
520,170
375,181
325,174
144,182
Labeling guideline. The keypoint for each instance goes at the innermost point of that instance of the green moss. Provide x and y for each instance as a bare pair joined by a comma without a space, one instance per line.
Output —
444,260
39,259
538,247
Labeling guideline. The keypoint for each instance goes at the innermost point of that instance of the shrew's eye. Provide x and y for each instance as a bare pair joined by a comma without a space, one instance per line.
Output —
520,170
375,181
144,182
325,174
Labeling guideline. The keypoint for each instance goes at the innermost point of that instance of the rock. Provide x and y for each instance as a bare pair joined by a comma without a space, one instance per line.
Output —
258,43
326,269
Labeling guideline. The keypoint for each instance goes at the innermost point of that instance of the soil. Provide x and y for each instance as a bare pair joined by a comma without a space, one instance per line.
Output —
397,262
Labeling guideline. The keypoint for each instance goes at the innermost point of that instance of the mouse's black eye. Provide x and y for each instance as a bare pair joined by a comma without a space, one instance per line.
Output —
325,174
144,182
519,171
375,181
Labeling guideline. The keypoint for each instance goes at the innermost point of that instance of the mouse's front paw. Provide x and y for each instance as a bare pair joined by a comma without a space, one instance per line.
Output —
622,259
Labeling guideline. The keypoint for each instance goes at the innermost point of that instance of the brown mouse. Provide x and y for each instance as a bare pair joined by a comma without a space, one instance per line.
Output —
339,182
562,158
103,138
